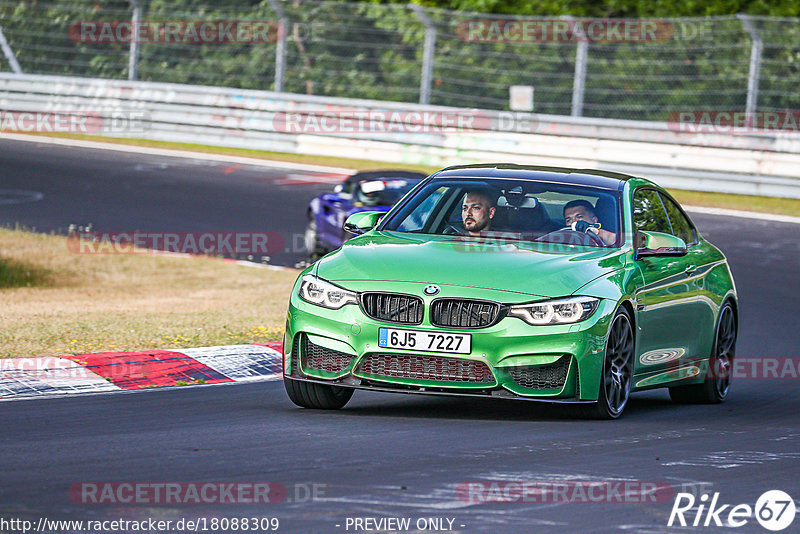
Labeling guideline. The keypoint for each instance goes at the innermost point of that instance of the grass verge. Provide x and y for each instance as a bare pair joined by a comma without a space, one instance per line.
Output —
57,303
778,206
783,206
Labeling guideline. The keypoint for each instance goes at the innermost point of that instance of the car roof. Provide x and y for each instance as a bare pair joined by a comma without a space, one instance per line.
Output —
565,175
378,175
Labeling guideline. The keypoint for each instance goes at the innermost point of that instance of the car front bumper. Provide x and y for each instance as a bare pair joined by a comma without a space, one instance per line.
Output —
509,359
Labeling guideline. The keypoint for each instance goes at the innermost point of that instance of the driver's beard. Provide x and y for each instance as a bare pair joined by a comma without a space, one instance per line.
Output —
479,226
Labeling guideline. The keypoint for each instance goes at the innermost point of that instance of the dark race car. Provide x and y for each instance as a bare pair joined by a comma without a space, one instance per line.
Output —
363,191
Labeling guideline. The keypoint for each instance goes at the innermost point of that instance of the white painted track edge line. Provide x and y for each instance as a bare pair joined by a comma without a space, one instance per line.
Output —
177,153
762,216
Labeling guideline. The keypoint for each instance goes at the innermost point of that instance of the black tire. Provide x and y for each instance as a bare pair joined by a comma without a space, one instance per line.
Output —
715,388
317,396
617,375
314,246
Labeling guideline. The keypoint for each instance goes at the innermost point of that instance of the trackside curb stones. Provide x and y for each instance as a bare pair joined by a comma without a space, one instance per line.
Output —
114,371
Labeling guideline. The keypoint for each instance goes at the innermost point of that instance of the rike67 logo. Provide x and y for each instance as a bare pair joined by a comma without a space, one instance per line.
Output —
774,510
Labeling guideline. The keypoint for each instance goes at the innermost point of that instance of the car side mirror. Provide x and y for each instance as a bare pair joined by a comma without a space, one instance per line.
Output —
362,222
658,244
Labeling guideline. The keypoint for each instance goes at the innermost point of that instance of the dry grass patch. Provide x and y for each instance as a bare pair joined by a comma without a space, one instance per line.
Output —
57,303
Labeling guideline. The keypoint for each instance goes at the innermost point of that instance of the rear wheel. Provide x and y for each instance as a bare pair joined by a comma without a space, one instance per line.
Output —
717,384
615,382
317,396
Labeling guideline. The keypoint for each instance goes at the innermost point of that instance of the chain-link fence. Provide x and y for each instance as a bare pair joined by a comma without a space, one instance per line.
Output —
629,69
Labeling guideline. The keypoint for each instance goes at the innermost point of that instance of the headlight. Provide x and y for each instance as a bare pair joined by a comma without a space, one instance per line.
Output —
318,291
561,311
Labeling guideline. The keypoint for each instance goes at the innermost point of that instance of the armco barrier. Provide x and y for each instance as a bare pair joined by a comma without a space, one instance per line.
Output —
765,163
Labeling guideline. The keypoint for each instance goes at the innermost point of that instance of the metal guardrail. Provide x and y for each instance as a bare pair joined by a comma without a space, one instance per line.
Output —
751,163
624,68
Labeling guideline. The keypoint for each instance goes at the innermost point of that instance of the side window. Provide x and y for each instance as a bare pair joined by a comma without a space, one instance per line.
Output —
648,212
416,220
681,227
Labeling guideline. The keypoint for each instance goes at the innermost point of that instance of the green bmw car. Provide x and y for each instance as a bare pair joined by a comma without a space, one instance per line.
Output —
517,282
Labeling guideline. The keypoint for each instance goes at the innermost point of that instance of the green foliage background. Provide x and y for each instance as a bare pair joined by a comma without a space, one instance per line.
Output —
626,8
374,50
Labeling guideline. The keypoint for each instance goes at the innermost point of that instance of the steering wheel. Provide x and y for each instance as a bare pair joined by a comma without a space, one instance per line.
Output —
594,237
453,230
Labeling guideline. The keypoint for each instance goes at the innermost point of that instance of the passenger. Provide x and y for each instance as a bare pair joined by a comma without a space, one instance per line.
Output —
579,216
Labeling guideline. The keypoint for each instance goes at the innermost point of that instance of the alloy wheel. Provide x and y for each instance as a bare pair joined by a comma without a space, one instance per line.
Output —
619,363
723,360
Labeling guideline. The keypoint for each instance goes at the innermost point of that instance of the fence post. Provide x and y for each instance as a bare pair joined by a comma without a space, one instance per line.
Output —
580,78
755,67
9,53
133,54
579,81
280,47
426,77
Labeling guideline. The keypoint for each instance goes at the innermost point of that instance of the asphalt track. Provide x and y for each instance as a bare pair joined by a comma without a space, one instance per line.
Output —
383,455
125,192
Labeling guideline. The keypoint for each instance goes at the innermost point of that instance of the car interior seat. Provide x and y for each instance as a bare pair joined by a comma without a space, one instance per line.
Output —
606,212
522,214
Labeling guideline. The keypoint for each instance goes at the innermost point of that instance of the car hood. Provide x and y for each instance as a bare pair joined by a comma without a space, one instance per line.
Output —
524,268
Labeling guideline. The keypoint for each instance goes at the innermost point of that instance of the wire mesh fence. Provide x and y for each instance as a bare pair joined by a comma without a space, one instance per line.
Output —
628,69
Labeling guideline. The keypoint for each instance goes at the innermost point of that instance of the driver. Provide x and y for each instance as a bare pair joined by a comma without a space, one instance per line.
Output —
579,216
369,192
477,212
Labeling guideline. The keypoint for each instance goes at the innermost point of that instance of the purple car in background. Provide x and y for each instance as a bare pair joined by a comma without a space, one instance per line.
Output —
363,191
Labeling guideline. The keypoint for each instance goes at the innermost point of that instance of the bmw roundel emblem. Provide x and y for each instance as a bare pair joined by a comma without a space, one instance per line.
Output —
431,289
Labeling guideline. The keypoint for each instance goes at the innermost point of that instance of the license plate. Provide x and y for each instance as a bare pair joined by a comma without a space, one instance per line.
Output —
393,338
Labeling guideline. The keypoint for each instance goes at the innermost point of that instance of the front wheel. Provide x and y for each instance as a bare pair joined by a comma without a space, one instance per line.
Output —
717,384
615,382
317,396
314,246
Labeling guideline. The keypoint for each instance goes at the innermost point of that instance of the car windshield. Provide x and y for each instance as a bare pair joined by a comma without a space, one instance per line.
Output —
383,192
517,210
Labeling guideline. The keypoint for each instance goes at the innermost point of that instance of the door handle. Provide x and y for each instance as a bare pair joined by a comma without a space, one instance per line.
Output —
690,269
